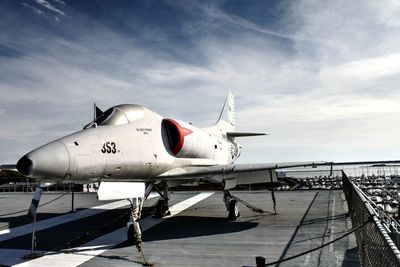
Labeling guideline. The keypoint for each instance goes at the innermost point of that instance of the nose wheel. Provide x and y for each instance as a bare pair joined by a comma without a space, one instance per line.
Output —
134,234
160,209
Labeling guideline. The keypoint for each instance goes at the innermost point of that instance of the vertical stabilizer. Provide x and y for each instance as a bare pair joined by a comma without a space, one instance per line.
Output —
226,120
225,125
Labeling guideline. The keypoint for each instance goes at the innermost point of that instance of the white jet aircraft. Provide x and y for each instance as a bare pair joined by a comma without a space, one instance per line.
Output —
132,150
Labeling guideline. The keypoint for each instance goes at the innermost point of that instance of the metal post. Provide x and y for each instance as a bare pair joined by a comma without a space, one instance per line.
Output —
260,261
272,191
33,248
71,188
32,214
273,199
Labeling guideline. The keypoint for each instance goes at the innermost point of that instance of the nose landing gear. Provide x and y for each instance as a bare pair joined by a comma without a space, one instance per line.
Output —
160,209
134,234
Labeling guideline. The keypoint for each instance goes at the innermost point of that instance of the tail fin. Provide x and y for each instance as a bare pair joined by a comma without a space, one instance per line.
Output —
225,125
226,120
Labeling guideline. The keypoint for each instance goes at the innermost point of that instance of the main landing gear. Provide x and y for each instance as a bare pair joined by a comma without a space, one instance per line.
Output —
231,206
161,209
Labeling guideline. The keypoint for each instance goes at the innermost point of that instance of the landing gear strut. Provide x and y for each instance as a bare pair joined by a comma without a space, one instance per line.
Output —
231,206
161,208
134,234
134,230
231,203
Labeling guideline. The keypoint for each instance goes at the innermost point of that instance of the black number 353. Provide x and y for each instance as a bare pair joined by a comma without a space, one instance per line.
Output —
109,147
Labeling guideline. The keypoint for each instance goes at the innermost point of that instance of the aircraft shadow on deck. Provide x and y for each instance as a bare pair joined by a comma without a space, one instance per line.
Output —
68,234
21,218
179,227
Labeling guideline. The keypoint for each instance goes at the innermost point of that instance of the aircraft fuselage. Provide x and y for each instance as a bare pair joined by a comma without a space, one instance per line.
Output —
128,142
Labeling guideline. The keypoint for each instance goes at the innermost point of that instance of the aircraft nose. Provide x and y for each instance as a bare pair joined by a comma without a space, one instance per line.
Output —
49,161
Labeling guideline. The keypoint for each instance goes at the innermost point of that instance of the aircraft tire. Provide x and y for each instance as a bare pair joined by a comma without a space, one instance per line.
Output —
233,210
131,236
161,209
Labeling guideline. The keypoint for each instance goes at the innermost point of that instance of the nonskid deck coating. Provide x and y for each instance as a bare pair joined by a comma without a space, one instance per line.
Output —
200,235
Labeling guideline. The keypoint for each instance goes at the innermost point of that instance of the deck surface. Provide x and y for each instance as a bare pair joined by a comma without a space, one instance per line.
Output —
197,233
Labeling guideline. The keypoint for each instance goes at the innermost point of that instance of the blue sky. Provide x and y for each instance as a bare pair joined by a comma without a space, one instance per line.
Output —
321,77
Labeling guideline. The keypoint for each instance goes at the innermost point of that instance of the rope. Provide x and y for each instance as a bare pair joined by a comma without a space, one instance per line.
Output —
249,206
111,258
25,210
322,246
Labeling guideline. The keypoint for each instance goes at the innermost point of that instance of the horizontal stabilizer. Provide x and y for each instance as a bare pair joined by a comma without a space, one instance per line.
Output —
242,134
120,190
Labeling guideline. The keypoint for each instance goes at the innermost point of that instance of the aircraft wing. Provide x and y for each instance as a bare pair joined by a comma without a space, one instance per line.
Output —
203,171
236,174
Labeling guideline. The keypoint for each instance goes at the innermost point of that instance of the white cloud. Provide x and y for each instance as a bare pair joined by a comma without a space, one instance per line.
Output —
49,6
36,10
60,2
387,12
365,69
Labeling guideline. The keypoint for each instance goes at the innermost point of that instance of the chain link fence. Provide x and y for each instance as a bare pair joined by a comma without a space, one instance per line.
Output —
375,246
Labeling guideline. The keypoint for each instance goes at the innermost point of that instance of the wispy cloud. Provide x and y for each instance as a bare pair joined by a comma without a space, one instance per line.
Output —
365,69
51,7
60,2
34,9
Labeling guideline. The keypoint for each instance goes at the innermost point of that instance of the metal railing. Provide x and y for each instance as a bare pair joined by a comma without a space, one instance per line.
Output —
388,222
375,246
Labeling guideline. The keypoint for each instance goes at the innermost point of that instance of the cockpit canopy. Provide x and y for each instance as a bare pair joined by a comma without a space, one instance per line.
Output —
121,114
